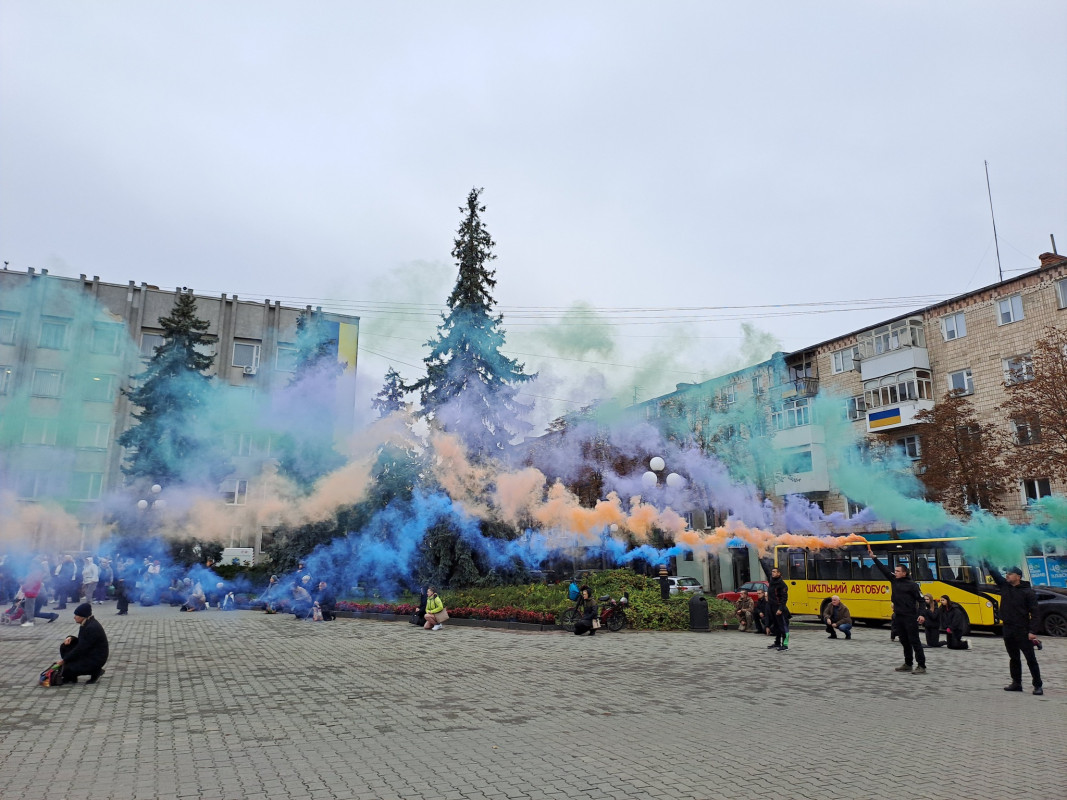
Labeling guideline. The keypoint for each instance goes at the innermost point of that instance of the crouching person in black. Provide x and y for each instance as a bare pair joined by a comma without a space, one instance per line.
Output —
955,624
587,609
86,653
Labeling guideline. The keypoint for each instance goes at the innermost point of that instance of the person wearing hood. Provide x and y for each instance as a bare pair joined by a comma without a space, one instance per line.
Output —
1018,612
907,599
954,622
86,653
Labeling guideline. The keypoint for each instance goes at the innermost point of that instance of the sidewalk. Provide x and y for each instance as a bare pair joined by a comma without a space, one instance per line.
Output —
223,706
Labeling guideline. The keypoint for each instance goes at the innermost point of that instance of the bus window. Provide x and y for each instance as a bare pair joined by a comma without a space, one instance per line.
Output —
861,568
956,568
925,565
901,558
797,564
830,565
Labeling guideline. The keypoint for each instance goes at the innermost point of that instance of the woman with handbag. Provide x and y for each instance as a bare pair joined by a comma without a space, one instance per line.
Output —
587,613
435,610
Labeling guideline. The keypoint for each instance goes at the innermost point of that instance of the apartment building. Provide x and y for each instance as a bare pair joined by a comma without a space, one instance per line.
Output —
68,347
882,376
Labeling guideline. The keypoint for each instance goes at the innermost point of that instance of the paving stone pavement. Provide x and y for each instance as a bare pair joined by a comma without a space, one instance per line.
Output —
225,706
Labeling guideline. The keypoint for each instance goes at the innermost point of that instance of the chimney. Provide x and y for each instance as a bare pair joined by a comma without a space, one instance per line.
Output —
1048,259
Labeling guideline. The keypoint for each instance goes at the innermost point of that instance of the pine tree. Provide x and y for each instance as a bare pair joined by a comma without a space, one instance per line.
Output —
1037,411
960,457
391,396
470,388
306,448
174,440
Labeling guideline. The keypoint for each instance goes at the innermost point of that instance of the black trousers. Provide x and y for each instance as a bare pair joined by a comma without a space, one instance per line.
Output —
908,631
1017,641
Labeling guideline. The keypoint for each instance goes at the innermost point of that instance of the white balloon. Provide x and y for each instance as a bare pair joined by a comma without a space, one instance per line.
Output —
156,488
656,464
675,481
649,479
142,504
160,503
614,528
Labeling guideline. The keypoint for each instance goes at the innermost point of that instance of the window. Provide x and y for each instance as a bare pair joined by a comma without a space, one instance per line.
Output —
910,385
99,388
1010,309
909,446
94,435
285,360
245,355
7,327
1061,293
1018,369
887,338
40,431
106,339
856,407
961,381
33,483
854,509
794,413
7,376
239,444
954,326
845,360
796,462
53,333
149,343
1026,430
1036,488
46,383
728,395
86,486
235,492
800,370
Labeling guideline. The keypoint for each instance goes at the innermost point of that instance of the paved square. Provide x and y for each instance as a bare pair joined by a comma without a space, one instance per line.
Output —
244,705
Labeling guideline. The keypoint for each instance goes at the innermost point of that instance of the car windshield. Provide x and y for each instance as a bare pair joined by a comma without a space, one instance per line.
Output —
687,581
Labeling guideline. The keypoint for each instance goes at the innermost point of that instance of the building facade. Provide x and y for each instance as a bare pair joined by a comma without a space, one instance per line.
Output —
68,349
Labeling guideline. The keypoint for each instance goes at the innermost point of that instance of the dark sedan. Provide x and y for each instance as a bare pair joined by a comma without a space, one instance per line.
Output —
1052,606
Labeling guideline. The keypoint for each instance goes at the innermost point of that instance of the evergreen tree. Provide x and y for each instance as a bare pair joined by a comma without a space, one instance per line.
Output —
470,388
391,396
175,440
960,461
306,448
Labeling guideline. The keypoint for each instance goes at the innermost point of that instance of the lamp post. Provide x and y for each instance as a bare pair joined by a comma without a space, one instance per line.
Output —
650,480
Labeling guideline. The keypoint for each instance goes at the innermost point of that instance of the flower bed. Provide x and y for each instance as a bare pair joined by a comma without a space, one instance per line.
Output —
504,614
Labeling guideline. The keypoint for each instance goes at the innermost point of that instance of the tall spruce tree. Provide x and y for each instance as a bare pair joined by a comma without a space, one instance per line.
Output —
174,440
470,388
306,448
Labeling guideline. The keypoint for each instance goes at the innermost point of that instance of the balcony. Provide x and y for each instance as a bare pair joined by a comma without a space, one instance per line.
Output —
896,415
893,348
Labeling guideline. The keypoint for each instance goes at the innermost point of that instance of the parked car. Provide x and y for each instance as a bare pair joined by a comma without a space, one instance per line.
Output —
751,587
1052,606
680,585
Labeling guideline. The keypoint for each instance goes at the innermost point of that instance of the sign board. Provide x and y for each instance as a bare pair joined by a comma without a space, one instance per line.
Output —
1038,570
238,556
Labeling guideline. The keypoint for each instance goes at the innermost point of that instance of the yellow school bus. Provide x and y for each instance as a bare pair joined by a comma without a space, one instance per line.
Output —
939,566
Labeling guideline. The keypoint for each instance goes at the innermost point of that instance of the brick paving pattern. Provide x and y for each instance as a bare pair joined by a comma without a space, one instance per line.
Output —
224,706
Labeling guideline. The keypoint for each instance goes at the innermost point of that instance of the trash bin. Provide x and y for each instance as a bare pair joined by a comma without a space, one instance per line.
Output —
698,613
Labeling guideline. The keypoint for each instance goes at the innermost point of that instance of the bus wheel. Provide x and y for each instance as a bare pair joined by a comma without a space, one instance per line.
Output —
1055,624
874,623
822,609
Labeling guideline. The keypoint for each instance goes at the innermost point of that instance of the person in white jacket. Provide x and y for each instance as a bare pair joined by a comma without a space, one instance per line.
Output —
90,577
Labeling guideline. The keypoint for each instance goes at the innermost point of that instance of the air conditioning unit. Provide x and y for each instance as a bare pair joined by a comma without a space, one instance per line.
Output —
250,370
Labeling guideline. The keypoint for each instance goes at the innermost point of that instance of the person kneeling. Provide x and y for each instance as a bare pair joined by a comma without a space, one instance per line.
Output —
954,621
838,618
86,653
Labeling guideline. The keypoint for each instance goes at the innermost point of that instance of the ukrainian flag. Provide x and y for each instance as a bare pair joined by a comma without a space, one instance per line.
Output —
882,419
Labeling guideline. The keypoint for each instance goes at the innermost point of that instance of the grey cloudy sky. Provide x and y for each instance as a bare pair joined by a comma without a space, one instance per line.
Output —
634,155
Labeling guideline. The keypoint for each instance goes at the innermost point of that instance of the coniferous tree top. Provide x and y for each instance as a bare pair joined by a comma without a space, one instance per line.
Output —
174,440
470,386
391,396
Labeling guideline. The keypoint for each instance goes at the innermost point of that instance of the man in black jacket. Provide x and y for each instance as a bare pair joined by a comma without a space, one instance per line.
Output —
907,599
777,608
86,653
1018,612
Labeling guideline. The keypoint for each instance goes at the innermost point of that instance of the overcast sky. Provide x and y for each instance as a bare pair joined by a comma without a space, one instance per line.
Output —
656,155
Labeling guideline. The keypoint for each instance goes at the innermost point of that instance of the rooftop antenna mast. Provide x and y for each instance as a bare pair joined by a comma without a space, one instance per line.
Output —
995,242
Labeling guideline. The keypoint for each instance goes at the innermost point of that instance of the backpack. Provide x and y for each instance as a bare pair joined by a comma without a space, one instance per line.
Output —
573,593
53,676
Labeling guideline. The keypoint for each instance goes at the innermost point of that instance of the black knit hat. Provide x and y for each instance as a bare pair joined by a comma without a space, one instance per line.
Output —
1016,570
84,610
